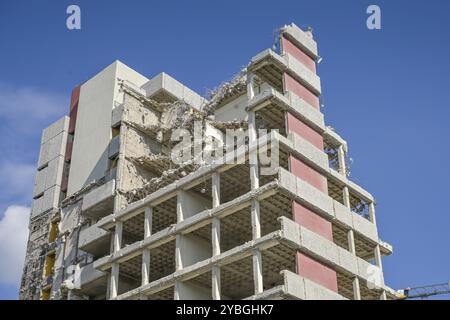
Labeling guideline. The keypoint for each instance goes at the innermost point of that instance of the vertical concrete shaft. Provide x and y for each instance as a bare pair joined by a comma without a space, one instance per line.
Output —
114,276
252,136
377,254
178,262
257,258
346,197
351,241
179,208
356,289
216,283
257,271
215,237
351,244
148,220
176,291
215,181
114,281
341,160
352,249
372,215
145,266
256,219
178,265
118,236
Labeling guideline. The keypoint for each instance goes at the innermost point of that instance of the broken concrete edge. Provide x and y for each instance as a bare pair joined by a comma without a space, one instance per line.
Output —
217,96
288,64
286,181
186,182
77,196
165,82
98,194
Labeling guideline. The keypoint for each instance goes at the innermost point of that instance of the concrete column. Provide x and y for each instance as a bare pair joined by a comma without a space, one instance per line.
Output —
253,156
377,254
178,262
257,258
252,135
256,219
114,281
250,82
356,289
379,264
372,216
176,291
215,189
118,236
341,160
352,249
351,241
346,197
257,271
145,266
179,207
178,265
215,237
148,220
216,283
114,277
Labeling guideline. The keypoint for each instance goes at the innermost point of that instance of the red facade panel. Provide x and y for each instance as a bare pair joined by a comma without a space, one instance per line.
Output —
303,130
308,174
297,53
312,221
319,273
300,90
75,97
73,118
68,154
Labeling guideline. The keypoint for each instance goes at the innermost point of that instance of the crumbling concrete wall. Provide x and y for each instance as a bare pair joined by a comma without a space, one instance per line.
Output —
37,248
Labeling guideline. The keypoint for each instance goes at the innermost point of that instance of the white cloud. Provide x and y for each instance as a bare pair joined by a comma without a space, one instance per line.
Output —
13,241
30,103
19,177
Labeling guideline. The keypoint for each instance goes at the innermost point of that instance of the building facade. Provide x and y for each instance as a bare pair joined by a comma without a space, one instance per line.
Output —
115,216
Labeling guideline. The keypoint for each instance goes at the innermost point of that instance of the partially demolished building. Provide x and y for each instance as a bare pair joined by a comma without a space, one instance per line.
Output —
115,217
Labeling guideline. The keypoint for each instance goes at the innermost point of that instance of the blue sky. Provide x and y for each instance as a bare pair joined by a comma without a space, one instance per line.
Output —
385,91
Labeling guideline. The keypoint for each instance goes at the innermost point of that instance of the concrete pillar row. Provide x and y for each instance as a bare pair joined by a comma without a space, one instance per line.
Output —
215,237
114,276
145,271
252,135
